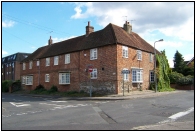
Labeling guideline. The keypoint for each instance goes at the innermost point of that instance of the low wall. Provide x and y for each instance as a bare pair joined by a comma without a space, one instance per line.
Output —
99,87
183,87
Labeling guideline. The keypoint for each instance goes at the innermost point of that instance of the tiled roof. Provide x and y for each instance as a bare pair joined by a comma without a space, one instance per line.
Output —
111,34
14,57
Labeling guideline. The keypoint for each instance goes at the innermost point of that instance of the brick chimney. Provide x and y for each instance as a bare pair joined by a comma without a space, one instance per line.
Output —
50,41
89,29
127,27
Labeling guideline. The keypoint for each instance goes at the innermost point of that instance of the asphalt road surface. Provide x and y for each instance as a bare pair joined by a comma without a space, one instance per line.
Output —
21,112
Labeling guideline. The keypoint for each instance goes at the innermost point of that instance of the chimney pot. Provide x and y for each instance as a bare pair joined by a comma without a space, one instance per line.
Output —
50,41
89,29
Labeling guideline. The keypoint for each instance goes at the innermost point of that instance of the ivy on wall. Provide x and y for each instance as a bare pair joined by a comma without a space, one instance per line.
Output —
162,72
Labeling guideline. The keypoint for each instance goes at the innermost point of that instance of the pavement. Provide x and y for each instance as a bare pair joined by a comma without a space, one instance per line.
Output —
188,125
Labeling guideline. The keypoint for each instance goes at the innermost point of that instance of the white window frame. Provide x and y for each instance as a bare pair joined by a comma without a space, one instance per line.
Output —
126,76
139,55
47,61
64,78
56,60
67,58
152,76
151,57
93,74
29,80
23,66
93,54
137,75
47,78
125,51
38,62
30,64
23,79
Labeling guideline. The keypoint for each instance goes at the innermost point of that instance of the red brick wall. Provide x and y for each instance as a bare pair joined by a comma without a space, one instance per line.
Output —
17,70
109,64
132,61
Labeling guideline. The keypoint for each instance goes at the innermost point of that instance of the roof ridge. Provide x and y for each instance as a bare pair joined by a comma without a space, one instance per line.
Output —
113,33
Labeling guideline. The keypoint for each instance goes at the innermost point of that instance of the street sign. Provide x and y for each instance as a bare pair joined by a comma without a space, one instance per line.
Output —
125,71
90,69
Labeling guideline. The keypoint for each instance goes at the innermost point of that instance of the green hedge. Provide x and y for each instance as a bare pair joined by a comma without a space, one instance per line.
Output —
5,85
174,76
186,80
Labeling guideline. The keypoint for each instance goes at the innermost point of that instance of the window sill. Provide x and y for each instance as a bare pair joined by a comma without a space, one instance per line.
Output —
64,84
138,82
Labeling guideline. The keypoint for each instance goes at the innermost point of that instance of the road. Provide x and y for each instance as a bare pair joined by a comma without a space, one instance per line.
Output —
21,112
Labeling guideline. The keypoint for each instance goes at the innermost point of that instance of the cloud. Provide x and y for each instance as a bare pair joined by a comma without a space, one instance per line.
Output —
7,24
33,47
188,57
174,19
4,52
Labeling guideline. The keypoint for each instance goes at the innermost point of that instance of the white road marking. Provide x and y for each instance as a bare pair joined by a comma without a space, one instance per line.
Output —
177,115
58,101
22,114
180,114
19,104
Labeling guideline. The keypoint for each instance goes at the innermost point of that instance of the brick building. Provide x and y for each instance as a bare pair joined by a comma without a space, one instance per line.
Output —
11,66
108,51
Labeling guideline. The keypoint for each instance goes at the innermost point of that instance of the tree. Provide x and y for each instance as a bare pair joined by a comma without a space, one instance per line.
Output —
179,64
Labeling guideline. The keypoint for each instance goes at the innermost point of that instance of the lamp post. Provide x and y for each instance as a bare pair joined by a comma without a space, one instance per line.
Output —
155,65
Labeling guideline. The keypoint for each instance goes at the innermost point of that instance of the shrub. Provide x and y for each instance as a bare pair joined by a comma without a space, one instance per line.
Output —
174,76
16,85
185,80
152,86
53,89
40,88
5,85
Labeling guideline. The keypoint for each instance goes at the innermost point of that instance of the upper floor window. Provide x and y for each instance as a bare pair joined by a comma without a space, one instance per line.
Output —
47,61
137,75
30,64
139,55
47,78
93,54
64,78
125,51
23,66
94,74
152,76
151,57
56,60
38,63
67,58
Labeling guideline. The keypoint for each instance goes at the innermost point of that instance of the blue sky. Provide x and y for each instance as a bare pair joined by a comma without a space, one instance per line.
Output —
27,26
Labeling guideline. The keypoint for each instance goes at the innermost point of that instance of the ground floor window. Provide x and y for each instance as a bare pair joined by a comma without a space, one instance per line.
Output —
152,76
94,74
137,75
47,78
29,80
64,78
23,79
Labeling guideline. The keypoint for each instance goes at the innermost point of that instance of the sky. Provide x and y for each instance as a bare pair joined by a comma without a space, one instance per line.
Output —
26,26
